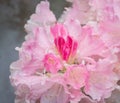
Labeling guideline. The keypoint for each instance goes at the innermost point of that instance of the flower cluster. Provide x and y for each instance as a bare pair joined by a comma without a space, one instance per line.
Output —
76,57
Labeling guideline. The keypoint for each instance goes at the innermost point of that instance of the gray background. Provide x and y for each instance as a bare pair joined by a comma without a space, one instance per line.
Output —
13,16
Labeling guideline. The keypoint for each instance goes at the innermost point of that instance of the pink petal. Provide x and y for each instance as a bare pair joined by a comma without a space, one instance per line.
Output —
43,16
52,63
76,76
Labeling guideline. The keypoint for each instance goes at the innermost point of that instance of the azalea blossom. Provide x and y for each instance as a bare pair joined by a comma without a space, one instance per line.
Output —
70,60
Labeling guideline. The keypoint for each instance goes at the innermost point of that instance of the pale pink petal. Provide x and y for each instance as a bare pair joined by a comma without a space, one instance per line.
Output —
33,50
80,11
52,63
55,94
36,88
109,20
43,16
90,44
88,100
102,81
59,30
76,76
74,30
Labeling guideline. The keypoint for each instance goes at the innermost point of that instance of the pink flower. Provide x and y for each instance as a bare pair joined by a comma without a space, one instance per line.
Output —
64,43
66,62
52,64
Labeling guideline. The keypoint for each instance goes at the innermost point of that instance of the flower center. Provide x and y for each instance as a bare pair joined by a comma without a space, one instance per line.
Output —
66,47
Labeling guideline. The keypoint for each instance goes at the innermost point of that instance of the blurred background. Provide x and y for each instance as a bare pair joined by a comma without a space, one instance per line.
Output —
13,16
